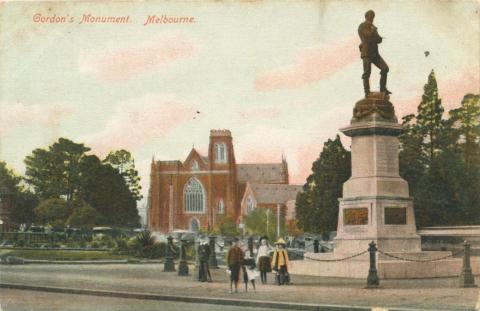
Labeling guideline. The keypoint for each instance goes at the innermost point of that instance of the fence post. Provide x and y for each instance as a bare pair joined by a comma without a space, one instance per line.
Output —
466,277
372,279
182,266
169,266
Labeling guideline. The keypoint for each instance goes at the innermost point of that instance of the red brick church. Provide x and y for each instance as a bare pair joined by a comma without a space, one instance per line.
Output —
195,193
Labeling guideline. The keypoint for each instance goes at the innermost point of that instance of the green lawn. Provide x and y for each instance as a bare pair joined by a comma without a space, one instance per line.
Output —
62,255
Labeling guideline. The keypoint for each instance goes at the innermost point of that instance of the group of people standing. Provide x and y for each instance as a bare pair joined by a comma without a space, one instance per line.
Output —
253,262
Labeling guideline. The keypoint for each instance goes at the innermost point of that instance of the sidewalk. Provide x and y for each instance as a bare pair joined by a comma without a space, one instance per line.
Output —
148,279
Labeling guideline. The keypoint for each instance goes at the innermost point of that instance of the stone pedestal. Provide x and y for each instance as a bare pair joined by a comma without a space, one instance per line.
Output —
376,206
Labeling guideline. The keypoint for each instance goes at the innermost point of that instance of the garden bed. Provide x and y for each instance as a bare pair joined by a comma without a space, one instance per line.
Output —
41,254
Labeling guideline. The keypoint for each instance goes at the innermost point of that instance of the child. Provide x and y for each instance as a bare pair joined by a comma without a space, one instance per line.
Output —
280,262
249,271
235,260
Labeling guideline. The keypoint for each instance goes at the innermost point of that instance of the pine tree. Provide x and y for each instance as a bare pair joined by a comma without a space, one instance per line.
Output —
466,124
429,118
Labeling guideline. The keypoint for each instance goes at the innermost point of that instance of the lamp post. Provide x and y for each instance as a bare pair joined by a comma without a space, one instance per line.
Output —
466,277
169,266
268,214
278,221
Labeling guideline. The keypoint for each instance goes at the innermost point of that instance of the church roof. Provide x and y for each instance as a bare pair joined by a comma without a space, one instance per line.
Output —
261,173
274,193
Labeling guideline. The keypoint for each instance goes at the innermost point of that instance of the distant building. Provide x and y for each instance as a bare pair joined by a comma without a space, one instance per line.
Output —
263,195
195,193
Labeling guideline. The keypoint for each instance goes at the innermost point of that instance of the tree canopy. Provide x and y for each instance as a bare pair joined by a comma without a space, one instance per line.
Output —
124,163
65,171
317,206
440,159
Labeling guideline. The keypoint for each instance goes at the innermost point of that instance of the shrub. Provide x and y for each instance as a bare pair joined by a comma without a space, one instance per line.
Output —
84,216
53,211
145,238
154,251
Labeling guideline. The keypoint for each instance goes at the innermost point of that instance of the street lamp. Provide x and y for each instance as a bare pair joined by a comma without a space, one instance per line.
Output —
278,220
268,214
4,208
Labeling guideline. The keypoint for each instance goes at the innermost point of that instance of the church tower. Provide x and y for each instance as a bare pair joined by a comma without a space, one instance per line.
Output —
223,175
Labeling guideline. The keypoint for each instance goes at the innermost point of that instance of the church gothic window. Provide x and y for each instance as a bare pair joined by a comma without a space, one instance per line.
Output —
220,153
221,207
250,205
194,197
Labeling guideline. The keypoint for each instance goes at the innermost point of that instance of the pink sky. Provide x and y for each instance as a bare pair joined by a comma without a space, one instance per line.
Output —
139,121
451,91
129,62
49,116
310,65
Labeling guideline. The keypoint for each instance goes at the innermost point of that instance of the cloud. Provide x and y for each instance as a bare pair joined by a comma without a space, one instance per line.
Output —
17,114
129,62
139,121
310,65
267,112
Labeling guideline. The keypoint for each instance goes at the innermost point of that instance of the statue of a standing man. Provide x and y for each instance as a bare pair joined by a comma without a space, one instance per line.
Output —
369,53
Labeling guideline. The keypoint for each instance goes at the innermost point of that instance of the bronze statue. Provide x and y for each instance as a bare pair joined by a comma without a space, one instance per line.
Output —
369,53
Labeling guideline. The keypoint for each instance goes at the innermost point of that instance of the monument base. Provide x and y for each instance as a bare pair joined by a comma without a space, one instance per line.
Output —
387,267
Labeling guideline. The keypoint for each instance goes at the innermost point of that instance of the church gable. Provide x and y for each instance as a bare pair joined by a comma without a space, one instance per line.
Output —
195,162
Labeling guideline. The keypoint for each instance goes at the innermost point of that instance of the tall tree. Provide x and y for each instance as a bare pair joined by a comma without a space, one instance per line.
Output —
411,157
466,123
56,172
124,163
429,118
466,120
22,200
105,190
323,188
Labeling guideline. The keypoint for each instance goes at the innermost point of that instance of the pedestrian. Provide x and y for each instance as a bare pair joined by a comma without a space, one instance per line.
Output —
204,270
263,259
249,268
235,259
280,263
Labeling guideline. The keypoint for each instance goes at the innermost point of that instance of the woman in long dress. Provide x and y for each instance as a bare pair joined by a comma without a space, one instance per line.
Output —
263,259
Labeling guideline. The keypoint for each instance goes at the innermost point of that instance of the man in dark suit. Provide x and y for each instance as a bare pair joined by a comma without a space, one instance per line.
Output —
235,259
369,53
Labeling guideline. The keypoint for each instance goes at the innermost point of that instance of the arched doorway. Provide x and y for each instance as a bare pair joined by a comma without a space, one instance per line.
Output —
194,225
